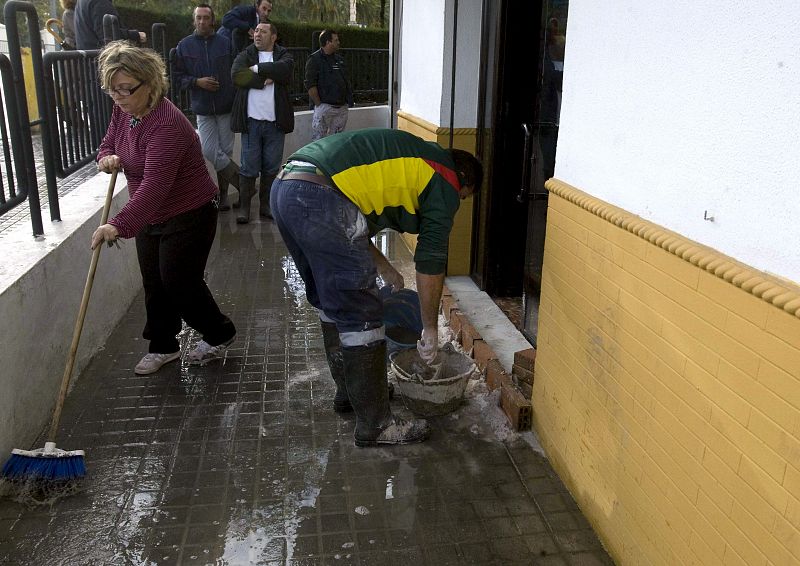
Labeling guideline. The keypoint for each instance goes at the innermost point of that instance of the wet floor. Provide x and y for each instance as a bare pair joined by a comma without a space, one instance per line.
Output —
245,462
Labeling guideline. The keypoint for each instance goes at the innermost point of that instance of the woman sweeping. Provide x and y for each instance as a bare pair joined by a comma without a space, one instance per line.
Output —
172,211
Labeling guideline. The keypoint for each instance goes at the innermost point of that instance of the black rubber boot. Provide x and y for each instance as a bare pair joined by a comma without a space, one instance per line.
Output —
333,351
246,192
231,172
222,183
365,378
264,189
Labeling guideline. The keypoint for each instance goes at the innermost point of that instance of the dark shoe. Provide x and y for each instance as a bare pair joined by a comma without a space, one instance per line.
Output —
231,173
246,191
333,351
367,388
264,190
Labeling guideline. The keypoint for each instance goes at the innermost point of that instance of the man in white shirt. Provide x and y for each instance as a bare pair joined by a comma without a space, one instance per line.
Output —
263,113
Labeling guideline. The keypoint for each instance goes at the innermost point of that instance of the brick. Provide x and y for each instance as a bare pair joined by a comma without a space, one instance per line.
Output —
496,375
522,374
468,335
516,407
525,358
456,319
482,353
526,389
449,303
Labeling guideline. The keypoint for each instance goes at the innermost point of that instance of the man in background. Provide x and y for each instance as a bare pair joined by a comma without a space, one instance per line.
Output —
202,66
328,87
263,113
89,24
240,22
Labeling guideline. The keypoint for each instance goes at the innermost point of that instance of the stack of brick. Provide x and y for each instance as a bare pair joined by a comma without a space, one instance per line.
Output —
522,371
515,389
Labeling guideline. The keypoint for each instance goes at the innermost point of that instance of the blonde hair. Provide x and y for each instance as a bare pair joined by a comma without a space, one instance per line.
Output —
68,4
139,62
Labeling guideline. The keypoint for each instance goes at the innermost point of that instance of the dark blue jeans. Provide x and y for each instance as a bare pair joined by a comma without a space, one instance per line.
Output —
262,149
328,239
172,258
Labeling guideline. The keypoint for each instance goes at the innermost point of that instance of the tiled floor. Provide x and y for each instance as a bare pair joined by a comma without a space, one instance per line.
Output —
244,461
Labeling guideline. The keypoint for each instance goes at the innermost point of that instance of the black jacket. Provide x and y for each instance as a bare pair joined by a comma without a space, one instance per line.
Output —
211,56
279,70
89,24
329,75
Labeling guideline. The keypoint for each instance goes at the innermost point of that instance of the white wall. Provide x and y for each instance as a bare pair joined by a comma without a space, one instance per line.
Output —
467,64
422,40
41,285
427,40
357,118
671,109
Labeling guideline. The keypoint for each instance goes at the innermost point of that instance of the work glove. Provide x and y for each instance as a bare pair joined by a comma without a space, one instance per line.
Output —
392,278
428,344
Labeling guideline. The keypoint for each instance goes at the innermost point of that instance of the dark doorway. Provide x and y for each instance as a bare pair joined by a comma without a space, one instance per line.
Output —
523,45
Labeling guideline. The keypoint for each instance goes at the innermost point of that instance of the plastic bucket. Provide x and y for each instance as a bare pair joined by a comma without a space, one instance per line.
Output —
427,392
402,319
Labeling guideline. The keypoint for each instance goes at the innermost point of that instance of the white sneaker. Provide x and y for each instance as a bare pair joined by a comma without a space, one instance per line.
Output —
151,363
205,352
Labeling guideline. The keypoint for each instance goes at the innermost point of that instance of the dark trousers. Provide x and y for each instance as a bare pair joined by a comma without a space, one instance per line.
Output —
172,259
328,239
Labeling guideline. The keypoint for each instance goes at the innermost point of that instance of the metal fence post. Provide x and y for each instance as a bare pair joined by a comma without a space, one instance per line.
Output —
111,30
158,38
10,11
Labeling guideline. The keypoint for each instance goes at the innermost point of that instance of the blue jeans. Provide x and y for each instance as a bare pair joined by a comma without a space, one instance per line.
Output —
262,149
328,239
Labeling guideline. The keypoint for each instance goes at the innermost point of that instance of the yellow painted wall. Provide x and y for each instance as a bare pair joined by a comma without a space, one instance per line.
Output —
461,235
667,390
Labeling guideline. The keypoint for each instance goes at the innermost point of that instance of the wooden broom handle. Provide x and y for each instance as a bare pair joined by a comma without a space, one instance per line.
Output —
76,334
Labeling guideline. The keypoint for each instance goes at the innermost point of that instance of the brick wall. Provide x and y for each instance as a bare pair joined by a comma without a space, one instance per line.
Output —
667,390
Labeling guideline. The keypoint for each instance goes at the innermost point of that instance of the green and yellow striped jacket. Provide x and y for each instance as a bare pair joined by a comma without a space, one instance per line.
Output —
398,181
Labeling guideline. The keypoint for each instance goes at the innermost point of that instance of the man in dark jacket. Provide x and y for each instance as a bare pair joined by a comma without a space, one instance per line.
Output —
89,24
240,22
202,66
263,113
328,87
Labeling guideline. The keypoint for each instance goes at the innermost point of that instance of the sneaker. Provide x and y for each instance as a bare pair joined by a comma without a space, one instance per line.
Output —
152,362
205,352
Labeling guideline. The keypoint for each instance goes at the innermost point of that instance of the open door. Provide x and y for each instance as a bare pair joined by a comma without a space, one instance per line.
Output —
517,140
540,156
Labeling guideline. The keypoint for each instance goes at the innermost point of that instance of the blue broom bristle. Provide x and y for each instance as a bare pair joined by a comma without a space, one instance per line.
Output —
43,467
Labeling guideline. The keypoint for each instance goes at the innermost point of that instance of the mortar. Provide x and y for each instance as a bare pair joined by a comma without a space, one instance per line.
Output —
432,390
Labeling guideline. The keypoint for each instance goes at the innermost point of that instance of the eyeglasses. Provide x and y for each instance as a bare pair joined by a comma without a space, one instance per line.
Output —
122,91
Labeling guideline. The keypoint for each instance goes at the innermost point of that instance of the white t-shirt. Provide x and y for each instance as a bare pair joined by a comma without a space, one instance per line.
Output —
261,102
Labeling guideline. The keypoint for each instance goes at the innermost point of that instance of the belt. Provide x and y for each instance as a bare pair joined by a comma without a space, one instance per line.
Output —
309,177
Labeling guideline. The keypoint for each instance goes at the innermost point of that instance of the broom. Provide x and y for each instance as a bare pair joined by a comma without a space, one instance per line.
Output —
49,464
